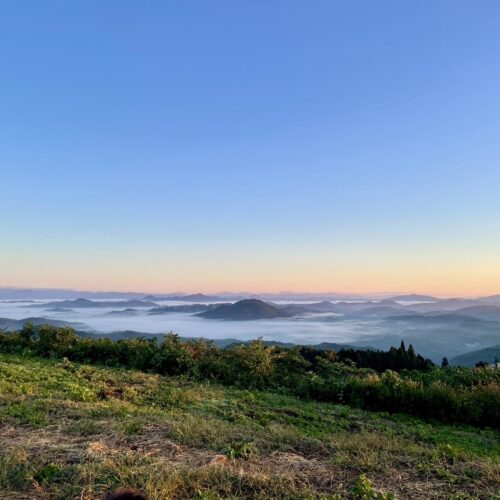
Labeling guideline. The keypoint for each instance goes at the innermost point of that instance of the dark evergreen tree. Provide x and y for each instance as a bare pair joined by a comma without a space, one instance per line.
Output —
402,347
411,352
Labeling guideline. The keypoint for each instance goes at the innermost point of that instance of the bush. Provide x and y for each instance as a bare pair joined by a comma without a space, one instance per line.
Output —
469,395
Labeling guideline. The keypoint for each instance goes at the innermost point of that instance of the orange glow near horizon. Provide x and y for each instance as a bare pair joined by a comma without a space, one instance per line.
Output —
451,287
254,271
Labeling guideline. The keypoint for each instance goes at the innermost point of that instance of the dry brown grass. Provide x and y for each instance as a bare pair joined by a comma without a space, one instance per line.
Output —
190,441
165,469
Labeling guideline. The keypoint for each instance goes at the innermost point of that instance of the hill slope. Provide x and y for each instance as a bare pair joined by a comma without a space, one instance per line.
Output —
17,324
242,310
487,355
75,431
86,303
414,297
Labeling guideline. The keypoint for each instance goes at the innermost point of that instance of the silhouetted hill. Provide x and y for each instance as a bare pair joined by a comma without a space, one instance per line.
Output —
152,298
185,308
296,309
445,305
292,309
242,310
195,297
367,309
360,309
379,311
414,297
86,303
17,324
319,307
446,318
481,311
486,355
124,312
491,299
323,306
23,294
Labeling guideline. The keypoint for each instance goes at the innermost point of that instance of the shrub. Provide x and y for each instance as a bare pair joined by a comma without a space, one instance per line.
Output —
450,394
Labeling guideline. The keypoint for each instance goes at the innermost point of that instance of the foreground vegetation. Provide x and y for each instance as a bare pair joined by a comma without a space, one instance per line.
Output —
411,385
71,430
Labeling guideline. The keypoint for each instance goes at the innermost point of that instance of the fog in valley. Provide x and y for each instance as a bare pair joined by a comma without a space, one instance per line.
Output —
308,329
436,329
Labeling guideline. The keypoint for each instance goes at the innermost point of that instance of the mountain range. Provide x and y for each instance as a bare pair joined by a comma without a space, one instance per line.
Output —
81,303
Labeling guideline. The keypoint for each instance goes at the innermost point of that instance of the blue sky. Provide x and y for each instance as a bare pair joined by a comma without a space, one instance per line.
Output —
251,145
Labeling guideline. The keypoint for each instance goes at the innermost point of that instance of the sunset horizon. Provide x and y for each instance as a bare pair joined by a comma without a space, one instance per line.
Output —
374,292
250,250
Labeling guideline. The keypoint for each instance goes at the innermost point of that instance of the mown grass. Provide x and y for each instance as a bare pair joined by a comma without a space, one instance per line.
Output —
76,431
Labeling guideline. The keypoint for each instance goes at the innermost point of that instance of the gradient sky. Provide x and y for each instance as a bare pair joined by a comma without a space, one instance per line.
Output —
258,145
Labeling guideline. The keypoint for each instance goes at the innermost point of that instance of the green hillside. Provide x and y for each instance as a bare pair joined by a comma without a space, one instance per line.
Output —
487,355
75,431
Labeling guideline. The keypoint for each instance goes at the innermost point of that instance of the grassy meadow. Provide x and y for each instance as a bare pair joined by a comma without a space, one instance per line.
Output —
71,430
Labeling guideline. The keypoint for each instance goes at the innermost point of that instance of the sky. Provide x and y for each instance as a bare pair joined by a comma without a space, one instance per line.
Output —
263,145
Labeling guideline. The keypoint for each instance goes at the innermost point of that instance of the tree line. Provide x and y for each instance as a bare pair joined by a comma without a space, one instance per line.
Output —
398,380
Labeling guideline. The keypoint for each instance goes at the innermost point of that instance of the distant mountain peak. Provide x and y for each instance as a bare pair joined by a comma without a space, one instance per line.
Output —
246,309
413,297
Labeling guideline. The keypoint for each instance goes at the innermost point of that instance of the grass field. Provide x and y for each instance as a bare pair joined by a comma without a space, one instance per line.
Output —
76,431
